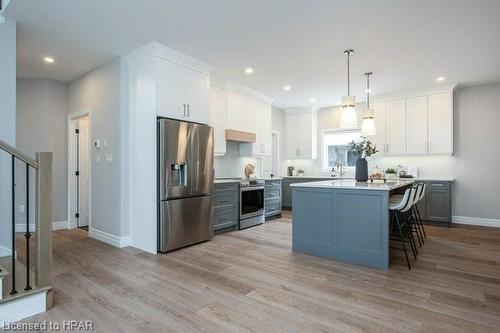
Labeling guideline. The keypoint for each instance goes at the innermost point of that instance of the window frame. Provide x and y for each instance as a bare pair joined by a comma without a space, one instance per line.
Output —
326,131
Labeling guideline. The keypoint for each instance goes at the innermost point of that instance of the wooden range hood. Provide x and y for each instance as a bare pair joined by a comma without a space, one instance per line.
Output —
239,136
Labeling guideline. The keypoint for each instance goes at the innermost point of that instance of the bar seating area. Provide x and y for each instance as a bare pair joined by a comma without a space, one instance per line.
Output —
406,224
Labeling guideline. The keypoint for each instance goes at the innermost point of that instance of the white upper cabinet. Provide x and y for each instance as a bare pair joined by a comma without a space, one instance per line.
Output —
301,134
292,135
441,124
218,118
416,125
262,123
380,119
396,127
239,114
182,93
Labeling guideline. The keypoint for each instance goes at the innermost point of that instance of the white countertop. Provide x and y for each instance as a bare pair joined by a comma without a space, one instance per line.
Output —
225,180
352,184
430,179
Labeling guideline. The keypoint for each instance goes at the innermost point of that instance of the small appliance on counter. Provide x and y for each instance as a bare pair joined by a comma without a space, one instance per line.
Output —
290,171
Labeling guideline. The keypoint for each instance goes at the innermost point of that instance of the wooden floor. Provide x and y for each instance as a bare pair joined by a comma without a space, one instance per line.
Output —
251,281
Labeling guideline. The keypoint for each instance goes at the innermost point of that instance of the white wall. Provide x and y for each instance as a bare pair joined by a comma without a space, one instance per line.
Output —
41,125
7,123
232,165
101,91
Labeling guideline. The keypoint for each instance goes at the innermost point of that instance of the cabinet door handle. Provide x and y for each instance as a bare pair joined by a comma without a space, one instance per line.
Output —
189,111
183,110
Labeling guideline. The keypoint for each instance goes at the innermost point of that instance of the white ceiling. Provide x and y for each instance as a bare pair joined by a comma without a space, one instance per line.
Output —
406,43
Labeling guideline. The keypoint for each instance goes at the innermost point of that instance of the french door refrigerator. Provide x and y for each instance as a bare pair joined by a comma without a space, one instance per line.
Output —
185,181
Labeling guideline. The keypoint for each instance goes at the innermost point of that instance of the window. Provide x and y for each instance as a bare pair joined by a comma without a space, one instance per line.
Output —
336,147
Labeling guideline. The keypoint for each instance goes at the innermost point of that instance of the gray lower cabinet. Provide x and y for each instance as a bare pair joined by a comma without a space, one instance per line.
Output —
225,199
436,207
287,190
272,196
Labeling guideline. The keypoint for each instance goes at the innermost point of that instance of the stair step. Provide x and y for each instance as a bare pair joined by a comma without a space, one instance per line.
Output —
6,282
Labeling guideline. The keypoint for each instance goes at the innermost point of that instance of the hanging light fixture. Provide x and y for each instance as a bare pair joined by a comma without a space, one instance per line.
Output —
368,126
348,119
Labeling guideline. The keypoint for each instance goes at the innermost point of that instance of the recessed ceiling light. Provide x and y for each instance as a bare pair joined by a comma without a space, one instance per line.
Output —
249,70
287,88
48,60
440,78
313,100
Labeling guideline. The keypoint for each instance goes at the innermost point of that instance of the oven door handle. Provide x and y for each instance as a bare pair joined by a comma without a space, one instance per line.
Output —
252,188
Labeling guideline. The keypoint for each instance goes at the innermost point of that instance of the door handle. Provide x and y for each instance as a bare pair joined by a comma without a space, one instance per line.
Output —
183,110
189,111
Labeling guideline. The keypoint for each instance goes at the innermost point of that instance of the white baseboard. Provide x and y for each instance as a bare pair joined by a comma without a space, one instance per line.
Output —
58,225
22,308
5,251
109,238
495,223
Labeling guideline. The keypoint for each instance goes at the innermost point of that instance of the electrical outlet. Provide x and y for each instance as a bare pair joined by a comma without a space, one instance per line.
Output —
21,209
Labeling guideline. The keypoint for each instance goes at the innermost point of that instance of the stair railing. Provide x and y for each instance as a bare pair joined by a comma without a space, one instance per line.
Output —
42,166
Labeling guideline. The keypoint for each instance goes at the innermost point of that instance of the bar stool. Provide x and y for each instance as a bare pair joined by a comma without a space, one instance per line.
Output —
417,211
399,207
414,219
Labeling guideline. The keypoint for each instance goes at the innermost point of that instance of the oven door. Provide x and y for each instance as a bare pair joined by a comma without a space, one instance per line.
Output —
251,202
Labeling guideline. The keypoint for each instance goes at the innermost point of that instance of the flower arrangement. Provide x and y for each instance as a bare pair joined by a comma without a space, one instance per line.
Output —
362,148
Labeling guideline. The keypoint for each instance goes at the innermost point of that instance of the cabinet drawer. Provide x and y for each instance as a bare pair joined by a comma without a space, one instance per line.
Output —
276,182
273,207
272,193
225,198
225,187
225,217
438,186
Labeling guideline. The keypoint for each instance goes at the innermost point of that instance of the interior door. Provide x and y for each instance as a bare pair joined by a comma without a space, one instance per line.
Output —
84,172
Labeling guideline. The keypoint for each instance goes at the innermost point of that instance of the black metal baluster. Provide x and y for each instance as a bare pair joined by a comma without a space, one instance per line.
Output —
13,290
27,235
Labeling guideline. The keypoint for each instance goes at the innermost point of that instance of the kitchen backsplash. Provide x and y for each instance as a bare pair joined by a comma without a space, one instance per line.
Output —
232,165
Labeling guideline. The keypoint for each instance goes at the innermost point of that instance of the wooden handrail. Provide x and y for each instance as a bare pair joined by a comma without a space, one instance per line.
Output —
19,155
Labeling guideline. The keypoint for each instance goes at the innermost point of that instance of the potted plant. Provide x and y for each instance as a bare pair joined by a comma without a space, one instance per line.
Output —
391,172
363,148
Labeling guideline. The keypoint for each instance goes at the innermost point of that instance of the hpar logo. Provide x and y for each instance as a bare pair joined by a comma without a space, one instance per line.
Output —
78,325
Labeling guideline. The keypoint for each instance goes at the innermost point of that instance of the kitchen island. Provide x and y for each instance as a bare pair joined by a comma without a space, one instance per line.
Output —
344,220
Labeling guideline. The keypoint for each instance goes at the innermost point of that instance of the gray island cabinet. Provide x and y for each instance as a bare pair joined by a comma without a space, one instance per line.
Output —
344,220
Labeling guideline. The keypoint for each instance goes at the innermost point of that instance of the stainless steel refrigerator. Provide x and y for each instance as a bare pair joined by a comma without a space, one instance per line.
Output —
185,175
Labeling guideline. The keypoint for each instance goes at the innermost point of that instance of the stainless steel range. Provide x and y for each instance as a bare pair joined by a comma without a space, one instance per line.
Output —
252,210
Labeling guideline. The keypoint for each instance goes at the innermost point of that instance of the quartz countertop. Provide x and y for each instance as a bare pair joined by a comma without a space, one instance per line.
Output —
352,184
225,180
430,179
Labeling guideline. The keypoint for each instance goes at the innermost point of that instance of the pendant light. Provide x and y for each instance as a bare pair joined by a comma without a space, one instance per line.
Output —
368,126
348,119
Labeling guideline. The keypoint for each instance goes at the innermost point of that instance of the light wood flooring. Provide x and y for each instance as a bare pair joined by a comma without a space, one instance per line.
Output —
251,281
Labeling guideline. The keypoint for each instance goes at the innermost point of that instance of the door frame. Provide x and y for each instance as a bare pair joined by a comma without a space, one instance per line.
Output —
277,134
72,119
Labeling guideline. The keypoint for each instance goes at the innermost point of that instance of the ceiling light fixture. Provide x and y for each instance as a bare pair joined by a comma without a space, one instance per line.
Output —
368,126
48,60
249,70
440,78
287,88
348,119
